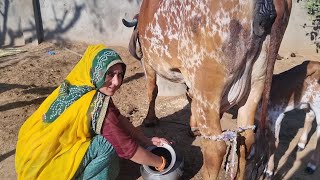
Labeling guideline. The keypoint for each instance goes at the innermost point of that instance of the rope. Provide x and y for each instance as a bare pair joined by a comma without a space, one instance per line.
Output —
230,136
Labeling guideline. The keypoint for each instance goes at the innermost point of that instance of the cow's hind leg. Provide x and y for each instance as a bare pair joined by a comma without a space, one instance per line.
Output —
213,154
273,145
306,129
213,150
315,158
246,114
205,109
152,92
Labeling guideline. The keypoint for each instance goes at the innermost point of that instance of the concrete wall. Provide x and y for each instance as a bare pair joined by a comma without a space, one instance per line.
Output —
10,24
92,21
99,21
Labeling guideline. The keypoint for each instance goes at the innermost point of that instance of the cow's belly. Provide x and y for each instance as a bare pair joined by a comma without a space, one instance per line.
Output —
167,71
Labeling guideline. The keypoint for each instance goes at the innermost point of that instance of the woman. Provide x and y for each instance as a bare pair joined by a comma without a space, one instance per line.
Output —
77,132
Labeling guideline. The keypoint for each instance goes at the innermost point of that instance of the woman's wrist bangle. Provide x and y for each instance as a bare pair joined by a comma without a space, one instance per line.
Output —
162,166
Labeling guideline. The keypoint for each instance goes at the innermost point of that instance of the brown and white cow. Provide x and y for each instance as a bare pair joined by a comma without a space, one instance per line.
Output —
223,50
297,88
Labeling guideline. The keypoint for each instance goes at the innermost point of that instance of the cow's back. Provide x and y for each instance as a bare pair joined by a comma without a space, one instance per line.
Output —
296,85
184,36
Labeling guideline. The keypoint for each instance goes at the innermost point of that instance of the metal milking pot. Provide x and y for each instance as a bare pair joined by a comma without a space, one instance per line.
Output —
173,169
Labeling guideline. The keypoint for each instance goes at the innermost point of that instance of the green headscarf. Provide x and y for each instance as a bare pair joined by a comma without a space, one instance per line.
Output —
69,93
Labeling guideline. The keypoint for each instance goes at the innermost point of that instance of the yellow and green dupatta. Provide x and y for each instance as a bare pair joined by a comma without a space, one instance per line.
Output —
54,139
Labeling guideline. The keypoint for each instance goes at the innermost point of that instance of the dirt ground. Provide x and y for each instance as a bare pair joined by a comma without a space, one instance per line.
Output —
27,78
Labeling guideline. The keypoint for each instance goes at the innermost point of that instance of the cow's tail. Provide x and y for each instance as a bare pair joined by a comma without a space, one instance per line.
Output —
276,35
277,31
134,44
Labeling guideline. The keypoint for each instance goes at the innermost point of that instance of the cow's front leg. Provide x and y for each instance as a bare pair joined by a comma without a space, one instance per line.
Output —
152,92
194,129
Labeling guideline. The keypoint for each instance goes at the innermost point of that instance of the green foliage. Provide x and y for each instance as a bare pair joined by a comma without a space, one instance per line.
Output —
313,7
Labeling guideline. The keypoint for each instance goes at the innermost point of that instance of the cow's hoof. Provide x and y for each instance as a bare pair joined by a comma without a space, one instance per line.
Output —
309,170
267,177
267,174
193,132
299,149
152,123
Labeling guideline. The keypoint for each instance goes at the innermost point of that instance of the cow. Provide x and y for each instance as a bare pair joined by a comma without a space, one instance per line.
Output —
224,51
296,88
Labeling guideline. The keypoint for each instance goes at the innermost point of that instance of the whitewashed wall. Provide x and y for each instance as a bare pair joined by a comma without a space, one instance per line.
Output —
99,21
93,21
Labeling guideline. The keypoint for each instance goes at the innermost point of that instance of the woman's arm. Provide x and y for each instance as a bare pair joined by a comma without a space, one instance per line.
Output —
142,156
135,132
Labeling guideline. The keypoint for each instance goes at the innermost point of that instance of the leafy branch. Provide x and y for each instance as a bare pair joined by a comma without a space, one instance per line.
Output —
313,9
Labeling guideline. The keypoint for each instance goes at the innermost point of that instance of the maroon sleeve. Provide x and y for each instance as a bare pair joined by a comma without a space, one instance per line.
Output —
116,134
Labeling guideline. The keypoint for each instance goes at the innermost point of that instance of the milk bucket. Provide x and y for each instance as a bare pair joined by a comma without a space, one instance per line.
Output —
173,169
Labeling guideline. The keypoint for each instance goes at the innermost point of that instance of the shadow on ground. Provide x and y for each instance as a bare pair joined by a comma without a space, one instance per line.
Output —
174,127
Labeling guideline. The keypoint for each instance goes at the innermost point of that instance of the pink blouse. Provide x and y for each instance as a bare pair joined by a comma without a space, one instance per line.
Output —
114,131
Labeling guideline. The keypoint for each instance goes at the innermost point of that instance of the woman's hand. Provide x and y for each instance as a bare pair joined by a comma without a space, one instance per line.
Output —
159,141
